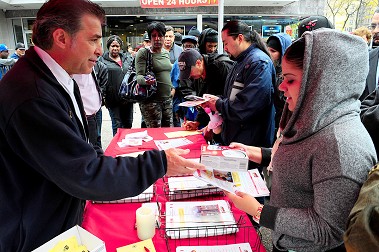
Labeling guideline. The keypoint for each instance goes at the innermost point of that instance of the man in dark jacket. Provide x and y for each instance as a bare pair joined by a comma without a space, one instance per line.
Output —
372,77
246,106
209,72
47,167
370,116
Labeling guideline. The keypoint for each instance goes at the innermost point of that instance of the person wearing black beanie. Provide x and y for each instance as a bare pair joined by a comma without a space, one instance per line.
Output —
208,41
313,23
194,32
273,42
277,45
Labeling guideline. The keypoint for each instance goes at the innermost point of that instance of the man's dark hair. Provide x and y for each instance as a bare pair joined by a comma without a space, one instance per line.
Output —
64,14
236,27
158,26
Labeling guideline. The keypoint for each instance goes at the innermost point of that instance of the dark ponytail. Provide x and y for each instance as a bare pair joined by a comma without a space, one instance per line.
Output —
236,27
256,39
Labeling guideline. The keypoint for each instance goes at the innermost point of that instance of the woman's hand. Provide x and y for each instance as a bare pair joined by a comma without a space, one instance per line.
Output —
150,80
253,153
244,202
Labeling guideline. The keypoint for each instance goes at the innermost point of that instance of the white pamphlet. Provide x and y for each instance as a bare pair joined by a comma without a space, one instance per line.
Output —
199,219
249,182
188,187
172,143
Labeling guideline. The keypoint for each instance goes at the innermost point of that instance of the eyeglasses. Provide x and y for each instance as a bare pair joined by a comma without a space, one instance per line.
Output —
373,26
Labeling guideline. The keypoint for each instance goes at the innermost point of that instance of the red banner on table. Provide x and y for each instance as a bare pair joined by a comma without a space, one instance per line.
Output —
176,3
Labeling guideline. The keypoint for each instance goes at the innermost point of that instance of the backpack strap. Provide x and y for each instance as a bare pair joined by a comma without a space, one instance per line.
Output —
149,61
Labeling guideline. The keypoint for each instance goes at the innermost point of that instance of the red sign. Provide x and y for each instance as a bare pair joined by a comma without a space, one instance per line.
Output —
176,3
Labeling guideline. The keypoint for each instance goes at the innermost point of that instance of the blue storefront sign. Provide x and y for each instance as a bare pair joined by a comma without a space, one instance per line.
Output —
268,30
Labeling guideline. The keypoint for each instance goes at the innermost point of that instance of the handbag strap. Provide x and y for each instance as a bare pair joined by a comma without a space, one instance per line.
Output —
149,61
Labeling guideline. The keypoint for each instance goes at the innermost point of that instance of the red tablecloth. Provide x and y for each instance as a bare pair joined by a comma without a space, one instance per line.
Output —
115,223
157,134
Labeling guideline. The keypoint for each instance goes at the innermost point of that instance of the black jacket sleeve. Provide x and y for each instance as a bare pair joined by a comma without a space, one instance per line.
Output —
370,116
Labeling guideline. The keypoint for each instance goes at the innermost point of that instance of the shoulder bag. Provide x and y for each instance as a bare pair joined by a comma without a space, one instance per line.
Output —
130,90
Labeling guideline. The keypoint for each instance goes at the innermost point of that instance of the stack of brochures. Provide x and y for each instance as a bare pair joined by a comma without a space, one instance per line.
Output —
145,196
189,187
249,181
199,219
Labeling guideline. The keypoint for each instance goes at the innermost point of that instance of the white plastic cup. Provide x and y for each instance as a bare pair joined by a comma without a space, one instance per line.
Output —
145,220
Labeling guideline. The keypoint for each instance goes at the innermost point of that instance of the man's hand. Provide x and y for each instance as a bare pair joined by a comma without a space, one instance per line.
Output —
190,125
211,103
179,166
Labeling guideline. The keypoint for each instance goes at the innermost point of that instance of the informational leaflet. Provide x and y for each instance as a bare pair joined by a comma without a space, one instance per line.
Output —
172,143
142,246
199,219
187,183
188,187
249,182
182,133
193,101
224,158
239,247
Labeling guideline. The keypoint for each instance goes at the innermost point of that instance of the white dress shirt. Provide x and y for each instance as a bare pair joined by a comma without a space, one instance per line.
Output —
62,77
89,93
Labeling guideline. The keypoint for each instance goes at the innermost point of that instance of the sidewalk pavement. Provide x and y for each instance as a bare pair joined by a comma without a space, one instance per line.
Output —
106,128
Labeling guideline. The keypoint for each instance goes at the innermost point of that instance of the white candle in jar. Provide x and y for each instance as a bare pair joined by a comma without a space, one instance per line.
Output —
145,220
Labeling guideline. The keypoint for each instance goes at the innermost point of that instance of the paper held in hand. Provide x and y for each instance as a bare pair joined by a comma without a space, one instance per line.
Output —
249,182
193,101
224,158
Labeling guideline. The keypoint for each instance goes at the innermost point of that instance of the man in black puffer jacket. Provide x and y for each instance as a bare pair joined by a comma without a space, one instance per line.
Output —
209,77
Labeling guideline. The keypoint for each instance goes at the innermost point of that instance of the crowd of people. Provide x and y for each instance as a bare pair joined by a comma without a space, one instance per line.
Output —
306,112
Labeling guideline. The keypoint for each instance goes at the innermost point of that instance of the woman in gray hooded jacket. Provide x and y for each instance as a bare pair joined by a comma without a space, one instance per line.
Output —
325,152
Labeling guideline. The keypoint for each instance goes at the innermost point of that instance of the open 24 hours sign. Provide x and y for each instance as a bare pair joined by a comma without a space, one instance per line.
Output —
176,3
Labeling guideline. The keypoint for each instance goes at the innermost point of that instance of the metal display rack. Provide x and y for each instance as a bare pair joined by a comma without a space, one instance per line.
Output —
143,197
239,232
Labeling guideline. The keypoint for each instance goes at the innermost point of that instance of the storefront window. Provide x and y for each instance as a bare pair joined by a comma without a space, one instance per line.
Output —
17,30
